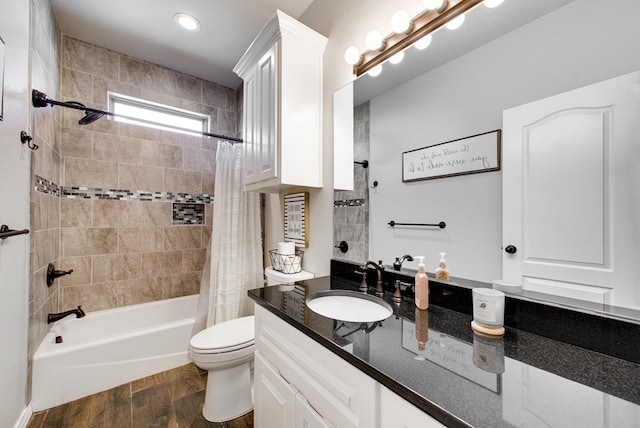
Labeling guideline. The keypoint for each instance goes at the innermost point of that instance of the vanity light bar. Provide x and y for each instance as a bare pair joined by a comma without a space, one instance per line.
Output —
425,23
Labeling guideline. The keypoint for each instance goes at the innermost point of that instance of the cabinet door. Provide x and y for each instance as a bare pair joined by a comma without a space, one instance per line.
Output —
266,153
396,412
251,127
307,417
275,403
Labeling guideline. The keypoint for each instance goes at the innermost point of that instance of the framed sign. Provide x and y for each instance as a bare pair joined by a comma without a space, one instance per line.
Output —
296,218
1,77
469,155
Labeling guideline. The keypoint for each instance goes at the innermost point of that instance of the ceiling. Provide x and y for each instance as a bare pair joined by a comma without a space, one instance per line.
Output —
145,29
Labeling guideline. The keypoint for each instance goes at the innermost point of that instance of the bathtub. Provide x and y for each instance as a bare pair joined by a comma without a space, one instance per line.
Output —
108,348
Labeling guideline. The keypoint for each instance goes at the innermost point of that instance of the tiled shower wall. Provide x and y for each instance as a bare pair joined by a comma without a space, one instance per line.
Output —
128,208
351,208
129,247
45,162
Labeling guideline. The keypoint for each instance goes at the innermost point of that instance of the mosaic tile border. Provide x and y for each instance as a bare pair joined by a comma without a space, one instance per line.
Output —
188,213
349,203
45,186
73,192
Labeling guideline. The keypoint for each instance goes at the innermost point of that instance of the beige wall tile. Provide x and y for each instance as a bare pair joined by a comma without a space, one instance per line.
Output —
140,239
181,284
183,139
141,132
178,181
193,159
76,212
45,211
77,86
101,88
47,163
158,154
219,96
77,143
90,173
45,248
161,263
94,297
89,58
81,270
131,213
182,237
208,183
89,241
227,124
141,290
116,148
115,267
139,177
193,260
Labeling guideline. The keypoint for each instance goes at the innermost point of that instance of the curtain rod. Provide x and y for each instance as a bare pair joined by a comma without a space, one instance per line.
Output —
40,99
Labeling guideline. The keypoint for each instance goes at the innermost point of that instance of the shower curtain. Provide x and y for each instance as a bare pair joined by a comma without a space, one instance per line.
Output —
233,263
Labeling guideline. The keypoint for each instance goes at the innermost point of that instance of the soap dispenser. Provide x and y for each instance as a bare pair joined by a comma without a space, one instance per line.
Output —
442,272
421,286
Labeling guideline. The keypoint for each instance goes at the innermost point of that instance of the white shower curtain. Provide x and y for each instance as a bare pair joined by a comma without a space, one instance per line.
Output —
233,263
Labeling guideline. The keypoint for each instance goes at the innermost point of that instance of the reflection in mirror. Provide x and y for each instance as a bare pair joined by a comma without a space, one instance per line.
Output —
501,58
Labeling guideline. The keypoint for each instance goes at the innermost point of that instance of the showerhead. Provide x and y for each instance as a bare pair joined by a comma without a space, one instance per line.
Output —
90,117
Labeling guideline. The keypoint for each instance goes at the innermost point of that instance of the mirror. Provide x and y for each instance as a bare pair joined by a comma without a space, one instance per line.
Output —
456,88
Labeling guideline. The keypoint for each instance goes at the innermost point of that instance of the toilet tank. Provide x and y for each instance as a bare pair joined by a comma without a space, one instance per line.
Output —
274,277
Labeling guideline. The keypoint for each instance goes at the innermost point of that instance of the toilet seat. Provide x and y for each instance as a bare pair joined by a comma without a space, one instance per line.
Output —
228,336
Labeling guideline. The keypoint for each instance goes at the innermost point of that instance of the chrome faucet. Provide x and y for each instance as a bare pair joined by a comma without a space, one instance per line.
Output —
56,317
397,265
380,268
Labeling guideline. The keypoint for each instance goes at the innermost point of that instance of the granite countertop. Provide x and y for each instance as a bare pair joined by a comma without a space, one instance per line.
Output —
463,379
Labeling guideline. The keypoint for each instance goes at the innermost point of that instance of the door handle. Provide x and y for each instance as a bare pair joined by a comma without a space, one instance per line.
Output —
510,249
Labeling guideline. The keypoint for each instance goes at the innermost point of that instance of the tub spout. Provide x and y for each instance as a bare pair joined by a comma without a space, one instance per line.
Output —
56,317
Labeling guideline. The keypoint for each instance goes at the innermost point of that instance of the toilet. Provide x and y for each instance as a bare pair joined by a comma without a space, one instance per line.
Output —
226,351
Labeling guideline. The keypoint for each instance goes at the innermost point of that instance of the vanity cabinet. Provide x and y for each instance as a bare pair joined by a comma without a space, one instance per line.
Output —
299,383
282,106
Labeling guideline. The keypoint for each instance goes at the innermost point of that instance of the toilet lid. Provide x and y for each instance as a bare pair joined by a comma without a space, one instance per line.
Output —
226,336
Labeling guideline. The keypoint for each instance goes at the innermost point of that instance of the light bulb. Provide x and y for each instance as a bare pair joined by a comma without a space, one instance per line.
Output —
352,55
455,23
433,4
375,71
397,58
373,40
492,3
186,21
400,21
424,42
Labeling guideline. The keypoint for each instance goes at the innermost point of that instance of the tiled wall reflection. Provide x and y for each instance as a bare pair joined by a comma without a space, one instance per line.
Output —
351,208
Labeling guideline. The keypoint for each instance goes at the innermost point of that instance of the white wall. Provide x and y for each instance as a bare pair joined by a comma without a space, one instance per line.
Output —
576,45
14,212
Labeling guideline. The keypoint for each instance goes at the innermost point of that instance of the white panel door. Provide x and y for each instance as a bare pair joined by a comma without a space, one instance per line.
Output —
274,402
571,193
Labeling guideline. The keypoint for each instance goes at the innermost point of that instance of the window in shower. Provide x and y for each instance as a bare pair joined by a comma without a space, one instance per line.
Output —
158,116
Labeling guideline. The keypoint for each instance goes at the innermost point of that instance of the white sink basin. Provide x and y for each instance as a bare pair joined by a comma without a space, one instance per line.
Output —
350,306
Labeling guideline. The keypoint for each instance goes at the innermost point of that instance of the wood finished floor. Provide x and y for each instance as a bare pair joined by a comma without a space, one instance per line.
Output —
171,399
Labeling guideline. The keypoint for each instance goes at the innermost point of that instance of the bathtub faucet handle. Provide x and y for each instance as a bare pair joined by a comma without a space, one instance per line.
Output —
52,274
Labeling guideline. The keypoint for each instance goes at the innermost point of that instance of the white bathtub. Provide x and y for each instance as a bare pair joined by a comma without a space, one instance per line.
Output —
108,348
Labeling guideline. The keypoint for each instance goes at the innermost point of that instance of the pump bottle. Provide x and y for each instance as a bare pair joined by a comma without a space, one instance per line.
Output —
421,286
442,272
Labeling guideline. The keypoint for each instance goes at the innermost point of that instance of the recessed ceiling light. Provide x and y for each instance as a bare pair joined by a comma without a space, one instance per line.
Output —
186,21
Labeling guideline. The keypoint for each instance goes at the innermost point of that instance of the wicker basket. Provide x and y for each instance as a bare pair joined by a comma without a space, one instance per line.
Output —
286,263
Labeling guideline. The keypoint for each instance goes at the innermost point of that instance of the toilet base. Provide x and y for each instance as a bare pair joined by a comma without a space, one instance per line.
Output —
228,394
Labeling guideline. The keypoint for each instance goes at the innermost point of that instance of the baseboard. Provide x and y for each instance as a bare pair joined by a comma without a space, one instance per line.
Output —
23,421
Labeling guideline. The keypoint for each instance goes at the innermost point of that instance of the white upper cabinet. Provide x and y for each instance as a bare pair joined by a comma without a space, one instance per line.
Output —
282,73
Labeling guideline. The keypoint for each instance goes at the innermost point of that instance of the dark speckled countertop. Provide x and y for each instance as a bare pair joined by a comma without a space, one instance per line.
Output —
461,379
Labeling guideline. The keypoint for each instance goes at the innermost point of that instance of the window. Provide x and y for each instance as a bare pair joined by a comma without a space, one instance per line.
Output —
158,116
